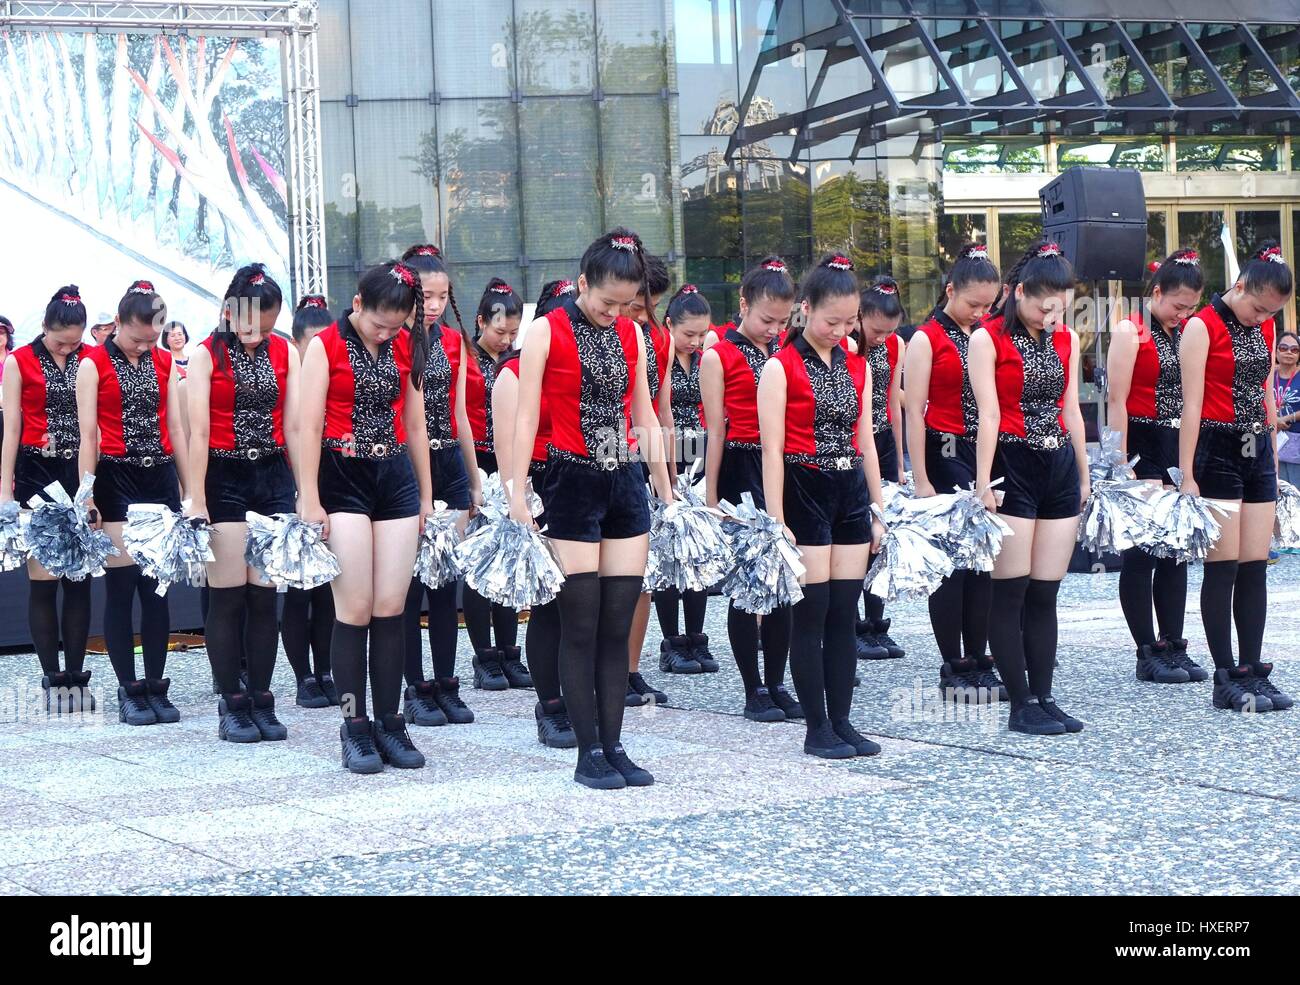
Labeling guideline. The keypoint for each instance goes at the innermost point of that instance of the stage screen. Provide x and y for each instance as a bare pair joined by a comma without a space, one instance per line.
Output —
134,156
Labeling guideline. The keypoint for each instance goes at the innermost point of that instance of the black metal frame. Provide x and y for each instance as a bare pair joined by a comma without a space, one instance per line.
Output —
1072,111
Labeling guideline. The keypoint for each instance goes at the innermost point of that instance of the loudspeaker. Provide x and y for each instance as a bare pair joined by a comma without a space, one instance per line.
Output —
1099,216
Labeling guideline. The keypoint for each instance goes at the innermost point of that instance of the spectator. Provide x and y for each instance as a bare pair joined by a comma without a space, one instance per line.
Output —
175,337
102,327
1286,390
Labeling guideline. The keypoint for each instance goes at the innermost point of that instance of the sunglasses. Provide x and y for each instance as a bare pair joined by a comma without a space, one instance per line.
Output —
1288,348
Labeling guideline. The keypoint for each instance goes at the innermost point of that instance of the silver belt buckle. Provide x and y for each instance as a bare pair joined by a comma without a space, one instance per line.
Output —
1176,423
608,464
379,449
843,464
146,462
1258,427
253,454
1052,442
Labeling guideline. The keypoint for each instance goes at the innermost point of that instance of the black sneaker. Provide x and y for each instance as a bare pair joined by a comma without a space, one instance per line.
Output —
1032,718
55,692
1262,686
824,743
82,701
1235,688
759,707
554,730
700,651
234,721
420,705
488,675
133,706
881,631
641,693
595,771
630,771
868,647
395,745
784,700
263,715
986,677
1155,663
1178,655
860,743
310,694
448,698
359,752
328,688
163,709
675,657
1049,705
959,680
516,673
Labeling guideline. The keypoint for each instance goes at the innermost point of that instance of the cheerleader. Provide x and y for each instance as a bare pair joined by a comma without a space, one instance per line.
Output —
733,464
1226,454
455,481
687,321
307,617
1144,403
1024,371
879,313
658,348
127,401
943,420
592,364
40,448
820,478
242,391
497,321
369,487
542,641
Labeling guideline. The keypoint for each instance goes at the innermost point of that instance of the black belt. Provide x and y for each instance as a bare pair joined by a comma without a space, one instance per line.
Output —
1051,442
249,454
1255,427
45,451
826,463
376,450
139,461
605,464
1169,422
439,444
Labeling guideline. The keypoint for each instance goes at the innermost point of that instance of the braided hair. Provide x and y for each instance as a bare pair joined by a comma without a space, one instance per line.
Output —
1042,269
394,286
426,258
251,291
619,255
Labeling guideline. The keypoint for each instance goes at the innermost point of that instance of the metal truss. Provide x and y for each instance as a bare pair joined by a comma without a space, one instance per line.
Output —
294,21
1184,52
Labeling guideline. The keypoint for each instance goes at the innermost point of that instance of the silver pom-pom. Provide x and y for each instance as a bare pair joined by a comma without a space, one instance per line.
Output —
435,562
1108,461
289,552
13,536
1117,515
496,501
60,537
767,568
688,549
510,564
913,559
964,527
1288,516
169,547
1183,526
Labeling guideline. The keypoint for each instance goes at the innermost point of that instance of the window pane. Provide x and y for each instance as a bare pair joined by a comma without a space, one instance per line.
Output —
334,50
475,51
556,46
957,229
782,85
1253,227
471,280
391,60
1006,156
774,196
633,46
1140,155
710,200
562,213
544,272
396,177
851,214
340,179
705,47
1243,154
342,288
479,163
1200,230
1017,231
637,188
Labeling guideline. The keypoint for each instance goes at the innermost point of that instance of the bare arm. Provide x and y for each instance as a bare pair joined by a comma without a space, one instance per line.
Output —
198,397
1193,349
417,446
12,401
870,458
464,433
1120,360
505,400
1073,417
711,391
292,420
920,359
667,426
180,441
646,422
771,428
311,414
532,367
88,417
896,402
981,362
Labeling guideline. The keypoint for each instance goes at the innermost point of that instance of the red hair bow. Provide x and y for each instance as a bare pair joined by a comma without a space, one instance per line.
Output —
501,289
689,289
885,289
1273,254
623,243
313,301
776,266
403,273
838,262
563,287
1191,257
141,287
70,298
1049,250
428,251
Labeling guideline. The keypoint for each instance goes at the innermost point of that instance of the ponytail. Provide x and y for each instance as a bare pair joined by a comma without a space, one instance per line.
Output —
620,255
833,277
250,285
394,286
973,266
1042,269
1267,269
428,259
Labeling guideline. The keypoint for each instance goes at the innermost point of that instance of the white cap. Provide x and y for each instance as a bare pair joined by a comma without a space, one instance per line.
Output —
103,318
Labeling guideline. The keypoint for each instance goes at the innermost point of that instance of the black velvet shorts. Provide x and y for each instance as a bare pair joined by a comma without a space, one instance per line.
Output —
741,471
1037,483
121,484
949,461
450,480
34,471
887,456
824,506
380,488
537,473
234,486
590,504
1156,448
1232,465
487,460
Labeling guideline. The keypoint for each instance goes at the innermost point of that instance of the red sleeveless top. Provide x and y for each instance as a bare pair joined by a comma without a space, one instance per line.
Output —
950,406
1156,392
511,365
48,398
742,362
822,405
1031,378
246,403
363,406
1236,369
132,404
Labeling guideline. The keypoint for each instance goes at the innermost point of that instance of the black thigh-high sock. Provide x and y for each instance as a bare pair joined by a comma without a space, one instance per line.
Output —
579,605
294,631
387,654
505,625
222,632
666,609
1250,608
155,627
776,644
348,653
1040,634
76,623
742,631
872,605
839,646
977,599
443,628
542,642
322,627
807,640
1216,610
1006,638
618,601
478,619
119,602
695,605
260,632
1135,594
1169,592
43,621
947,615
413,648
